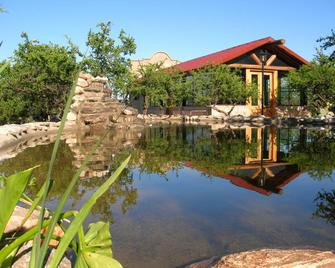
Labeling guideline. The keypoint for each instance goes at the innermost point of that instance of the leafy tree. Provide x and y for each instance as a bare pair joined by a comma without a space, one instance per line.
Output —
107,57
216,84
328,42
317,81
173,86
35,85
160,87
148,85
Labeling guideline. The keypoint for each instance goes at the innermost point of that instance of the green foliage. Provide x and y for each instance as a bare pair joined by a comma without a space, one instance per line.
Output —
14,187
210,85
159,87
220,84
328,42
10,195
108,58
317,81
96,248
77,222
35,84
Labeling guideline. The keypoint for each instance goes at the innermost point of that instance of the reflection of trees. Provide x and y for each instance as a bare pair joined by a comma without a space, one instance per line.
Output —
122,190
165,148
316,155
325,206
40,155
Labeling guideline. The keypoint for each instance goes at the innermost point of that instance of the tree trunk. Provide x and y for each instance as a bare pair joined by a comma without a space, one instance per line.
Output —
145,105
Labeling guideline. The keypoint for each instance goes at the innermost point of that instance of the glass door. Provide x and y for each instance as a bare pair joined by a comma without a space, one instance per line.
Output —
256,79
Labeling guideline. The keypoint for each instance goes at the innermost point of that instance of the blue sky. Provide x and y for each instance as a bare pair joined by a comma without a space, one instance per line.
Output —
184,29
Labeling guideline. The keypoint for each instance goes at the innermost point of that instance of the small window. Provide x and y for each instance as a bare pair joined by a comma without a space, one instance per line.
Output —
254,81
288,96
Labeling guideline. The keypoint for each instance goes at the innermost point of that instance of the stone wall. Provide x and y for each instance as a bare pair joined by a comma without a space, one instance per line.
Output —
15,138
94,107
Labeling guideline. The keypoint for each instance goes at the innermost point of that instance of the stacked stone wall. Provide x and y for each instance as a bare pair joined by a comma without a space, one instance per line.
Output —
94,107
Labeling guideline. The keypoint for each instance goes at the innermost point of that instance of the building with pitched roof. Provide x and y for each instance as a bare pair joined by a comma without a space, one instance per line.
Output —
273,93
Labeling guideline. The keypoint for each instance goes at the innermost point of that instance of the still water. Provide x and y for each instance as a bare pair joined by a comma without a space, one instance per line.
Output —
192,192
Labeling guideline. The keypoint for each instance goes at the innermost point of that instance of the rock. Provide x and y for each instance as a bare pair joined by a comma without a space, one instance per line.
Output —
17,217
15,221
130,111
86,76
140,116
207,263
78,98
79,90
278,258
71,116
82,82
103,80
24,257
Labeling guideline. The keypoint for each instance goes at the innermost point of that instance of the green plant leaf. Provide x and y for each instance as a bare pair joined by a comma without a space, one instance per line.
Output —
97,248
98,239
94,260
65,197
40,252
35,203
10,195
9,259
84,211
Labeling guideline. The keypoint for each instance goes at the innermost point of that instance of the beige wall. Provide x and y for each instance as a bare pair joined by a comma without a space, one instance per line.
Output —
158,57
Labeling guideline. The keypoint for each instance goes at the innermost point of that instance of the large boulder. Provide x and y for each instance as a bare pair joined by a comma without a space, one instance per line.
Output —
267,258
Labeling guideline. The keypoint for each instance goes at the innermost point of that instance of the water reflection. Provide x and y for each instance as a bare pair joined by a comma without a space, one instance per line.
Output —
193,191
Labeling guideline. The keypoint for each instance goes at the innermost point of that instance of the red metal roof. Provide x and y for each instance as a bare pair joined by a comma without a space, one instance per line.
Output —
226,55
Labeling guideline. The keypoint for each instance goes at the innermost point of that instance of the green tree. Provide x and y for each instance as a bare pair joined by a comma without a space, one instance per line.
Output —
107,57
148,85
317,81
35,84
216,84
327,43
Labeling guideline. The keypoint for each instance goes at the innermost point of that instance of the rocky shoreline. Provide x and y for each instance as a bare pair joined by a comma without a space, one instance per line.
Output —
267,258
12,134
31,134
256,121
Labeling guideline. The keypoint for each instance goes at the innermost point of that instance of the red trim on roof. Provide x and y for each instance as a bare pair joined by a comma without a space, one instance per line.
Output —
229,54
293,54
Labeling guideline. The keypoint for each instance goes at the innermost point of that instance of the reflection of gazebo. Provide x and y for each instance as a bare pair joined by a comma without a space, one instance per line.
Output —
267,180
262,172
250,176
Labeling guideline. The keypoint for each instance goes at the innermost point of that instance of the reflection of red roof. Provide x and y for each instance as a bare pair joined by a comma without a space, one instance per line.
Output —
226,55
241,182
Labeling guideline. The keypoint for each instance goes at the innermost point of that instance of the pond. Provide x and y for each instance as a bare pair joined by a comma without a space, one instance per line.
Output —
192,192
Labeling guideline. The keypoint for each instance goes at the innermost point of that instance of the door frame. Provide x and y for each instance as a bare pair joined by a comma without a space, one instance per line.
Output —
256,109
